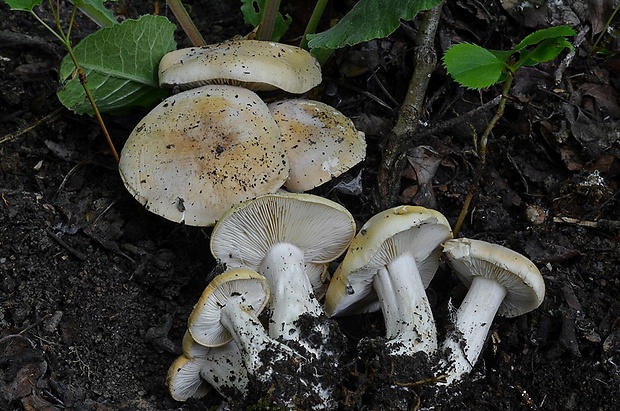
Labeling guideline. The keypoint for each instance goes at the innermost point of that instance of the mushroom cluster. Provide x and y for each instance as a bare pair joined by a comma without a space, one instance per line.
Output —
276,249
216,143
392,260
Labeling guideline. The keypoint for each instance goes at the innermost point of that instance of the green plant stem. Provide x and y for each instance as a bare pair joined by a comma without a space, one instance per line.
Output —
317,13
482,152
402,136
66,41
602,33
186,22
265,30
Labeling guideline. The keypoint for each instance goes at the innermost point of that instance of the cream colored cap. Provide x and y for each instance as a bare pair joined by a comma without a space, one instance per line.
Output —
320,142
525,287
412,229
258,65
201,151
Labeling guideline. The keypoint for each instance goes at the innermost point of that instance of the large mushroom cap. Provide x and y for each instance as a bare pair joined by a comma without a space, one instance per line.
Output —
412,229
320,142
321,228
237,286
258,65
201,151
525,287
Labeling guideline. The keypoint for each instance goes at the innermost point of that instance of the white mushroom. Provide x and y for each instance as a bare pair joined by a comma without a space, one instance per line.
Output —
286,237
389,264
320,142
257,65
222,367
501,281
201,151
227,310
184,380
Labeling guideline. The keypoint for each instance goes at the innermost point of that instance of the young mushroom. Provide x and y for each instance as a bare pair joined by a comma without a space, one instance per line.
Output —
389,264
501,281
227,310
221,367
257,65
286,237
183,379
201,151
320,142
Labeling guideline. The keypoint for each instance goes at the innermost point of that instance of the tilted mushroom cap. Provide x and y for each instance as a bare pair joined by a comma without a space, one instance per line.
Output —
525,287
201,151
237,286
184,380
258,65
413,229
320,142
321,228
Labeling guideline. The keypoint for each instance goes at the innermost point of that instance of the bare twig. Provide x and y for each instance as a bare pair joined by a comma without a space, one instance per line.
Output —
461,118
17,134
400,139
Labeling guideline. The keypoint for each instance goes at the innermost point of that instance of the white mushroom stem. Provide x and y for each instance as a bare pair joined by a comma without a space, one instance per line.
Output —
291,292
252,340
223,368
472,324
409,322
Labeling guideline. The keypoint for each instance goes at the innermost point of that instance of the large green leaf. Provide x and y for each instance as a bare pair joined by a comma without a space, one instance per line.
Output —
120,63
473,66
369,19
23,5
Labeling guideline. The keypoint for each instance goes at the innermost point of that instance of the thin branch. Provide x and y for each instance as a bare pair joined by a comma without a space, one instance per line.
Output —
482,151
399,141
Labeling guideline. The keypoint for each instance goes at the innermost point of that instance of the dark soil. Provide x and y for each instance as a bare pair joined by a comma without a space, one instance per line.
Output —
95,292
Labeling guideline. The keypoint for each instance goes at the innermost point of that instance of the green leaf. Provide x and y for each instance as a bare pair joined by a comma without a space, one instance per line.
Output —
252,17
545,51
120,63
473,66
544,34
369,19
96,11
23,5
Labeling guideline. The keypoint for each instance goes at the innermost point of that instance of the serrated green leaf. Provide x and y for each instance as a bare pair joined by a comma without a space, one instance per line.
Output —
253,18
23,5
96,11
545,51
544,34
120,63
369,19
473,66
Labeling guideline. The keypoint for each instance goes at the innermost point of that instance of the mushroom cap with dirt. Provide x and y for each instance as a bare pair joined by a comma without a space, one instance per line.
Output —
227,310
389,264
501,281
254,64
221,367
320,142
288,238
201,151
